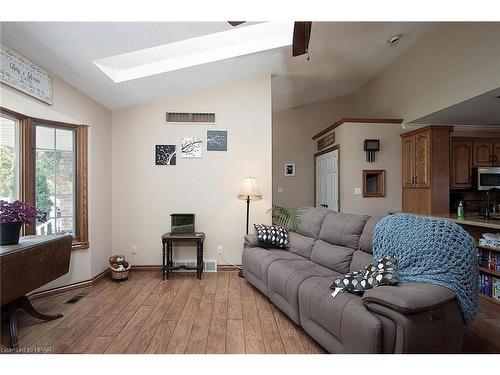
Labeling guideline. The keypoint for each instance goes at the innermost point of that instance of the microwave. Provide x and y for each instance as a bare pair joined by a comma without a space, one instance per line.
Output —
486,178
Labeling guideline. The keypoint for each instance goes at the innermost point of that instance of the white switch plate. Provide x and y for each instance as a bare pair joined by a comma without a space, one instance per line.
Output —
280,190
357,191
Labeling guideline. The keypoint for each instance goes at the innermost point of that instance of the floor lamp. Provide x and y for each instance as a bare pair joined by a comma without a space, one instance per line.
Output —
249,192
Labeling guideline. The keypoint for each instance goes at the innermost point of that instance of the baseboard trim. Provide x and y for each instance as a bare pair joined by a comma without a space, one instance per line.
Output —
159,268
68,288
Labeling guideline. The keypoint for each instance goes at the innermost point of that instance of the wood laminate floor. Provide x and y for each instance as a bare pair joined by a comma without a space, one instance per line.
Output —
221,313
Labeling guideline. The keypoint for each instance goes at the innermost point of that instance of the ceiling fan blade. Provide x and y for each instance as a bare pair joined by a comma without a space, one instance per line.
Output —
301,36
235,23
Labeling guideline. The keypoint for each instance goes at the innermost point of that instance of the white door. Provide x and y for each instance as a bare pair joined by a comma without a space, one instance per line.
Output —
327,184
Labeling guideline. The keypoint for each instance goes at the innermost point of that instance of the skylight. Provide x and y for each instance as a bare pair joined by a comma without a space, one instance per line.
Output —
237,41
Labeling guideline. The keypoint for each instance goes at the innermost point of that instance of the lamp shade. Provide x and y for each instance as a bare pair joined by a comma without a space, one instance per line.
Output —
250,188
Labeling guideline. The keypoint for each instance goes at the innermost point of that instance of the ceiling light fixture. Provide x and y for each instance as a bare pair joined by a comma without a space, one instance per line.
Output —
394,39
197,51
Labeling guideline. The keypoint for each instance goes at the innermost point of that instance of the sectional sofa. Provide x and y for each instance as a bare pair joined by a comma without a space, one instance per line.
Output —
408,318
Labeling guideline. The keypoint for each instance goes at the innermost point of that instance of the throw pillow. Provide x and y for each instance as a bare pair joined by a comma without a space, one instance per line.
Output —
383,272
272,235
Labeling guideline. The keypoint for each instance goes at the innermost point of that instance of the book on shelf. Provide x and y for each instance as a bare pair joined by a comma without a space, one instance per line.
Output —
489,286
488,259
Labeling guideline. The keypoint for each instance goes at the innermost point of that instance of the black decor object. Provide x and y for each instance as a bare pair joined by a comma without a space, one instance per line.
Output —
165,155
371,146
182,223
9,233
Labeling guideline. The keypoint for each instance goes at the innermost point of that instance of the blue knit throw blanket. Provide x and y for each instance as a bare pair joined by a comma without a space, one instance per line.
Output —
432,251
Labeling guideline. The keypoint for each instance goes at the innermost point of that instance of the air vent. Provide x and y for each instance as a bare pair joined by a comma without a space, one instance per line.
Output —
77,298
209,265
194,118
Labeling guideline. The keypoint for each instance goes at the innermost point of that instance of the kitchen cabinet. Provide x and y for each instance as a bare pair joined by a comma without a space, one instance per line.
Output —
461,164
486,153
483,153
426,167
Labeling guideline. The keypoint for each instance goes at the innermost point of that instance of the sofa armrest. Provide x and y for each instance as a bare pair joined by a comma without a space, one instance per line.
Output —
251,241
408,298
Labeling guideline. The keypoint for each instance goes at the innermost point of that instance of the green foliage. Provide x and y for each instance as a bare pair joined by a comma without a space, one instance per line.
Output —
7,173
288,218
45,164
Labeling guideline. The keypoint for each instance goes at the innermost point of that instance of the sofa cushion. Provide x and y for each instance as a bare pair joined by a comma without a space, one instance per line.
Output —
365,241
343,229
300,245
337,258
284,279
353,327
360,259
274,235
256,260
311,219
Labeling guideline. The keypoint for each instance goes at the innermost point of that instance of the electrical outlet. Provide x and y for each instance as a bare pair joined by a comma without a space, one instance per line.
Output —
220,249
357,191
134,250
280,190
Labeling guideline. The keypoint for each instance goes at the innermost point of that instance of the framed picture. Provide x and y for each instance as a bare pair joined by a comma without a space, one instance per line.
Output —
216,140
191,147
290,169
165,155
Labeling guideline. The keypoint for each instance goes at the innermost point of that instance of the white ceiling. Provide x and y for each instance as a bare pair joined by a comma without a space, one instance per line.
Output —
343,56
483,109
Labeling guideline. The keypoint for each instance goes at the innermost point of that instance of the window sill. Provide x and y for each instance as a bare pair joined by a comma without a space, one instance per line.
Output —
79,245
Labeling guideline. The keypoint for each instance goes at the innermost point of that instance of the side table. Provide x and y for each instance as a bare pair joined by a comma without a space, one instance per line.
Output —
168,240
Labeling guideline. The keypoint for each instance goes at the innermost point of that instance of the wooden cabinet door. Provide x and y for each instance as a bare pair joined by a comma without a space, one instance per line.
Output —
461,164
482,154
496,154
408,161
422,159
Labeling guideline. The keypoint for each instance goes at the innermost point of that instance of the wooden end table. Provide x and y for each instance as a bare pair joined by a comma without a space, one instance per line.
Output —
168,240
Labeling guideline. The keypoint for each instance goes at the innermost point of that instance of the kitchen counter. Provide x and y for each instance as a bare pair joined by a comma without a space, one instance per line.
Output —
471,220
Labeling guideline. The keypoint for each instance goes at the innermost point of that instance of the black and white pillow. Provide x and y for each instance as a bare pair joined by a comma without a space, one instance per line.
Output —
272,235
383,272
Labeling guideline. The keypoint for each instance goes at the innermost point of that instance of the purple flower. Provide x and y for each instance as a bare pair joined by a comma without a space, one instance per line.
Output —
18,211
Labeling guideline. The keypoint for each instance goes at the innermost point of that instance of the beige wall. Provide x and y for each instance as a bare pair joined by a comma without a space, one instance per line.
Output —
70,105
292,132
144,195
452,63
350,137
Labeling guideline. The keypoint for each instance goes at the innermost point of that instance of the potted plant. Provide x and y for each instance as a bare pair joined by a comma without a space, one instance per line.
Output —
13,216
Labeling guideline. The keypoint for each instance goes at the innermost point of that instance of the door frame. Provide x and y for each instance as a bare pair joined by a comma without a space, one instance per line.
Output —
322,152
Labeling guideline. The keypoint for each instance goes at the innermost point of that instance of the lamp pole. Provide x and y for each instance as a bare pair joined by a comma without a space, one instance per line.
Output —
248,210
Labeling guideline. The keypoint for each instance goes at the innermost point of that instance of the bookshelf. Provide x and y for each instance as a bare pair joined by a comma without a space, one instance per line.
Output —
489,272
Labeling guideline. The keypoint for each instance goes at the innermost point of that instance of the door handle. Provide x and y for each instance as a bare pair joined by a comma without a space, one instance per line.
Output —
324,205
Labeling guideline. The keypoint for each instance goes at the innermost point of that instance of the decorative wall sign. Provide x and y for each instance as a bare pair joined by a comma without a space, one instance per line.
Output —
25,76
289,169
191,147
165,155
216,140
326,141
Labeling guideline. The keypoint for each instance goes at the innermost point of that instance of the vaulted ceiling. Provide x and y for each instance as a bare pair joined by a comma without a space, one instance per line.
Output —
343,57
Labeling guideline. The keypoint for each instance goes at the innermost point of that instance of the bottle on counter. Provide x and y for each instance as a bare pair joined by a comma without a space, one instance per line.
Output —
460,210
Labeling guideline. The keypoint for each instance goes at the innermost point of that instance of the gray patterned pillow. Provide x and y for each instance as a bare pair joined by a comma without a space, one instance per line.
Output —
272,235
383,272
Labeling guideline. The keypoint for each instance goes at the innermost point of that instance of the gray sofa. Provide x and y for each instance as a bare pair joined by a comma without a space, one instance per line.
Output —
408,318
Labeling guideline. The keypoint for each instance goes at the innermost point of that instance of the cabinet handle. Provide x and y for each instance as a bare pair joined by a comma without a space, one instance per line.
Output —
416,179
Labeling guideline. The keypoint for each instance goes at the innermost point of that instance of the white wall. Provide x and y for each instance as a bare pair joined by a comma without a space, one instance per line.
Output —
144,195
293,130
350,137
70,105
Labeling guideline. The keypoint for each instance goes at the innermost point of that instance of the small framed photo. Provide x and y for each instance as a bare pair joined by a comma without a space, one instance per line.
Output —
290,169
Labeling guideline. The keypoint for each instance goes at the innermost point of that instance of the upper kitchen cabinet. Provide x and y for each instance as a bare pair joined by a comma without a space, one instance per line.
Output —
483,154
426,166
461,163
